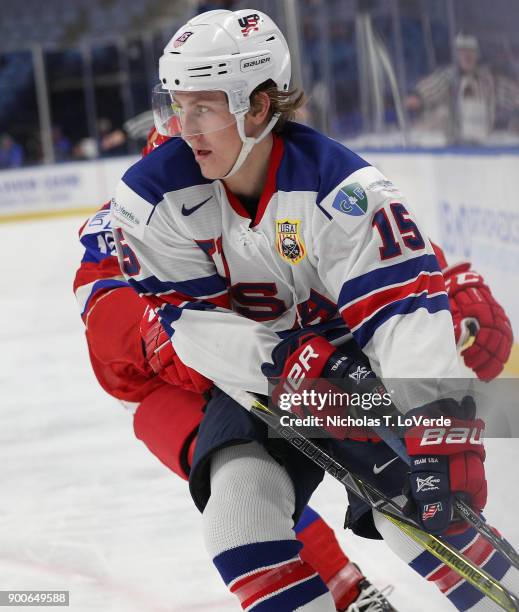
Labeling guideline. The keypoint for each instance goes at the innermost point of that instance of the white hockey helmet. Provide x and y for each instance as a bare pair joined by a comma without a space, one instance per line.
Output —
229,51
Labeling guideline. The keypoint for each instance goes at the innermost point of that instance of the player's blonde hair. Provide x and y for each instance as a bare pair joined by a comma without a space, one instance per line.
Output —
285,102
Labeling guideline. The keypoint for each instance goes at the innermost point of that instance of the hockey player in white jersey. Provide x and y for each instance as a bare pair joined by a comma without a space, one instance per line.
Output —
244,234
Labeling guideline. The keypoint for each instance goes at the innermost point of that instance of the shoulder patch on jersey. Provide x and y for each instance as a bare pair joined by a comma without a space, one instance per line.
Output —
357,197
130,211
351,200
289,243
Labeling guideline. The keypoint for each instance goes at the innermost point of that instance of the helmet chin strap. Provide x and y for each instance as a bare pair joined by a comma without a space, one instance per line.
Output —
248,141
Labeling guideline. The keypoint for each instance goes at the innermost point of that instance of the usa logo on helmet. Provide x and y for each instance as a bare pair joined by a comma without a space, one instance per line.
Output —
288,241
182,39
249,24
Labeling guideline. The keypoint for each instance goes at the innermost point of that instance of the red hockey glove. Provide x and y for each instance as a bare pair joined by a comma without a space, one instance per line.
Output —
472,304
163,359
444,461
298,361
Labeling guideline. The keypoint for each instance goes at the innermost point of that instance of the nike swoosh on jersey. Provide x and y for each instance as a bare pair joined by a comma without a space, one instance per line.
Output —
377,470
189,211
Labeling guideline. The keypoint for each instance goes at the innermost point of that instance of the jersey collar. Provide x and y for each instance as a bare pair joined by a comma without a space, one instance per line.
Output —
269,190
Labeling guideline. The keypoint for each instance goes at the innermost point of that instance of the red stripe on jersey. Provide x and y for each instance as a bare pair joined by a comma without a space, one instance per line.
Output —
445,578
176,298
269,188
221,301
267,582
366,307
236,205
89,272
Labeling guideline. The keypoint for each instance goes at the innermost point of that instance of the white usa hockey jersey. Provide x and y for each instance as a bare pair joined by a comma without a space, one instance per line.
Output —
333,245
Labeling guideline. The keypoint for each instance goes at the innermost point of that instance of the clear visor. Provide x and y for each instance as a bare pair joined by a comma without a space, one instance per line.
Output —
190,113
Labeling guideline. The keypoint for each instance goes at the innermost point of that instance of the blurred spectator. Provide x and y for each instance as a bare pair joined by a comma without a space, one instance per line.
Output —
86,148
112,142
466,100
62,145
11,153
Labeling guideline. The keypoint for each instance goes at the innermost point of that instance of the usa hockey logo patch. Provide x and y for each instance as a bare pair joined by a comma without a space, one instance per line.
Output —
351,200
289,244
182,39
430,510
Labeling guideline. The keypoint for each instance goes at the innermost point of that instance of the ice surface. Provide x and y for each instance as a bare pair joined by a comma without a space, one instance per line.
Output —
84,506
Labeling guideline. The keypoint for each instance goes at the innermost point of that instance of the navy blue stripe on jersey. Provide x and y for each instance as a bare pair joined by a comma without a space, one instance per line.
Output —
465,595
195,288
294,597
108,283
383,277
93,254
434,304
237,561
425,563
169,313
170,167
314,162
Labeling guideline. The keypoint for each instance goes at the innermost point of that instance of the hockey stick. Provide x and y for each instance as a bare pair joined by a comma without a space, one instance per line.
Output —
461,507
463,510
447,554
